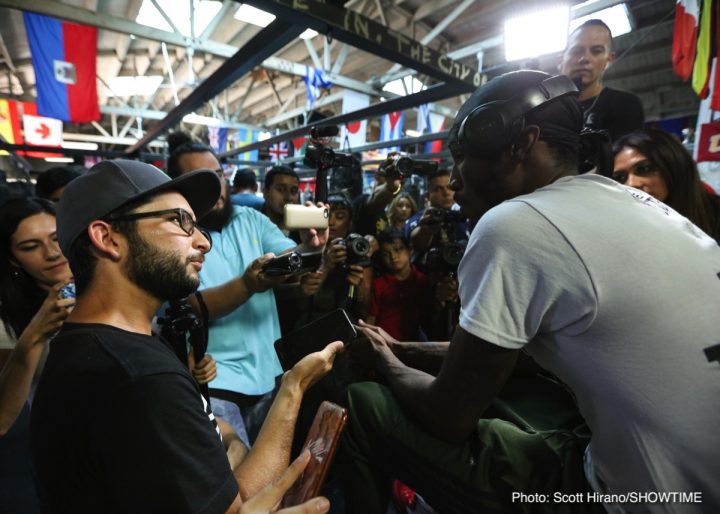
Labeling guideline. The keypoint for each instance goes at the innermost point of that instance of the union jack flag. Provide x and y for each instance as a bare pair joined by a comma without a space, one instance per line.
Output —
278,151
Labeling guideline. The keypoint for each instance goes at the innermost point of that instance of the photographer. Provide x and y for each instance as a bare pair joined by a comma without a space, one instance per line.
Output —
345,277
436,224
370,216
236,300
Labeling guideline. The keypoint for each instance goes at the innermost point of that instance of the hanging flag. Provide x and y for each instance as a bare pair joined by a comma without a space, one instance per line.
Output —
64,59
10,123
701,69
278,151
708,144
435,125
40,130
245,137
715,98
217,138
299,146
685,37
391,129
354,134
314,80
422,118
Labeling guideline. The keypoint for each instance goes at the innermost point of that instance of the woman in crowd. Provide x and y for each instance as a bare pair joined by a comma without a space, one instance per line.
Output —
400,210
656,162
32,273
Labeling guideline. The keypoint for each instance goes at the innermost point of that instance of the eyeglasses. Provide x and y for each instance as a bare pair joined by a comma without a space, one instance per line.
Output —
182,217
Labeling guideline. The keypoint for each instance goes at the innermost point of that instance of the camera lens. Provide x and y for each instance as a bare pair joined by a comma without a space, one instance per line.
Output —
294,261
404,166
453,253
327,157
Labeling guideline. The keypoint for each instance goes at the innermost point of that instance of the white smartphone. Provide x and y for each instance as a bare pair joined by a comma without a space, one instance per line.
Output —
301,216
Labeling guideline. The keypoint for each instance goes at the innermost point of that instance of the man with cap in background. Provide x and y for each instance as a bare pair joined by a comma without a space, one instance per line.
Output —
118,423
582,274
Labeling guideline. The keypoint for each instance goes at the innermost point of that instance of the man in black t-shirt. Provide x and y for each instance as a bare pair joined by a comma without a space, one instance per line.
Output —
118,423
587,56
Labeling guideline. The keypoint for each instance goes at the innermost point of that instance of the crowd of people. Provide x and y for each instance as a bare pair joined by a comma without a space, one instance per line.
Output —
523,329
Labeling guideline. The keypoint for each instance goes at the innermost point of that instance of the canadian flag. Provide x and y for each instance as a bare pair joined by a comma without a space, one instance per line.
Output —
42,131
684,45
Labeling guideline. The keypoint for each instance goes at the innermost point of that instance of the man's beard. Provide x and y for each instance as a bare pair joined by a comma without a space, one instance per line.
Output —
159,272
217,219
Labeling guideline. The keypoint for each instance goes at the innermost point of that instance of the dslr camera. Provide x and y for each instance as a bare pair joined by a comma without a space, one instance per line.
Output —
357,248
444,258
403,166
292,263
445,215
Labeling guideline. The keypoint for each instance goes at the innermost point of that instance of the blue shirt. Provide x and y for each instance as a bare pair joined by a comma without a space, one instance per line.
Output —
247,200
242,341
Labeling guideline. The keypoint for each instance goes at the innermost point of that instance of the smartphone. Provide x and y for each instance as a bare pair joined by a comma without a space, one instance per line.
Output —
302,217
322,441
68,291
313,337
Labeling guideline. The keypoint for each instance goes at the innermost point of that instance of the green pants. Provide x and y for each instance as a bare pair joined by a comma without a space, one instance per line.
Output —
479,475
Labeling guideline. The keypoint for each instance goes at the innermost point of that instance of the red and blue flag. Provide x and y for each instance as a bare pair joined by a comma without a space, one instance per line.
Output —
64,60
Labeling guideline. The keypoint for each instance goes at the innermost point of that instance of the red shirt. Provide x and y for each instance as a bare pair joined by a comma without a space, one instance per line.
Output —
399,304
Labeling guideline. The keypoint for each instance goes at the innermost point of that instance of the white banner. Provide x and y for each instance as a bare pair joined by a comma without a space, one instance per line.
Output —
355,131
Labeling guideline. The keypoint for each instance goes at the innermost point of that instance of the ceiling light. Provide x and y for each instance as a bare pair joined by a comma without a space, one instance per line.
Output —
413,133
308,34
197,119
536,33
615,17
134,86
253,15
412,85
79,145
262,136
179,13
59,159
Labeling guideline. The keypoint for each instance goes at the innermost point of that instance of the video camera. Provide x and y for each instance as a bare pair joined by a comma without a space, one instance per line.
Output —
444,258
318,155
292,263
358,249
403,166
445,215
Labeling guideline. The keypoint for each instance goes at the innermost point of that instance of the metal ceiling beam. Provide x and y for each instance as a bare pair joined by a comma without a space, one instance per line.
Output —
115,24
368,35
431,94
321,102
149,114
266,42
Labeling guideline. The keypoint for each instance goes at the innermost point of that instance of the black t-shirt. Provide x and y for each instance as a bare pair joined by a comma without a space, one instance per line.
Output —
618,112
118,425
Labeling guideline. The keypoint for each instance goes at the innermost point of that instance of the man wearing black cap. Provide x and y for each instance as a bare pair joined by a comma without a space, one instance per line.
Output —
581,273
118,424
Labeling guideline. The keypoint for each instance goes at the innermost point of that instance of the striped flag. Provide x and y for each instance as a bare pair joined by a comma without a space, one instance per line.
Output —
685,37
701,69
10,123
391,129
64,59
245,137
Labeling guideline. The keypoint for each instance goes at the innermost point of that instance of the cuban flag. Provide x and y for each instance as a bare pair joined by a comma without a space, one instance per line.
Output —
278,151
245,137
217,138
391,129
64,59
